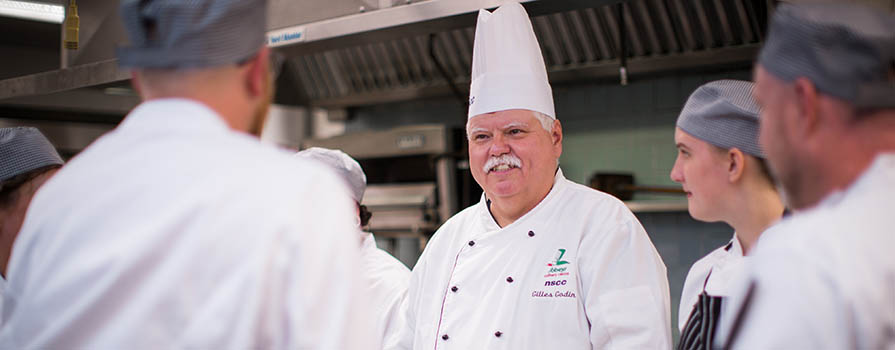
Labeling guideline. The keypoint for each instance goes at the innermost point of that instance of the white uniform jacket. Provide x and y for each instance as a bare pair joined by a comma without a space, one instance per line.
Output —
715,272
2,296
824,278
576,272
175,232
387,278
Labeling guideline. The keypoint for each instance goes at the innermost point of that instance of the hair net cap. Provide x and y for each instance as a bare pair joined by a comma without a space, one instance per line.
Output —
343,164
191,34
846,50
508,70
24,149
723,113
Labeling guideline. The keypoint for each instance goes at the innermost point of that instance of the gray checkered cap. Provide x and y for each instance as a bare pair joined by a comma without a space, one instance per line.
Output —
23,149
846,50
723,113
191,33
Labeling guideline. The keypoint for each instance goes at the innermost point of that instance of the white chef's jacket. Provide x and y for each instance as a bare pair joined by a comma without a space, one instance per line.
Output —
725,265
2,296
388,279
824,278
576,272
175,232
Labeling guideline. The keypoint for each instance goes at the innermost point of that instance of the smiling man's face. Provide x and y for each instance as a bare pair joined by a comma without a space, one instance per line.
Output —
512,155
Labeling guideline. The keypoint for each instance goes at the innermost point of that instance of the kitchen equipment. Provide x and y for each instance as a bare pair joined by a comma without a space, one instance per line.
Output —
412,177
621,185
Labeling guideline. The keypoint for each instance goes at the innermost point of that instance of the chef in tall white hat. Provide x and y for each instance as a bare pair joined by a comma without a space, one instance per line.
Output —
540,262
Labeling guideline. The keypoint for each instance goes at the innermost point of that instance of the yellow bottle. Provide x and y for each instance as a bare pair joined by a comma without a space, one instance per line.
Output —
72,23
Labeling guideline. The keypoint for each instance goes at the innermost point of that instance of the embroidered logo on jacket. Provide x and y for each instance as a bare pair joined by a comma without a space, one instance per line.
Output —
558,276
558,260
556,265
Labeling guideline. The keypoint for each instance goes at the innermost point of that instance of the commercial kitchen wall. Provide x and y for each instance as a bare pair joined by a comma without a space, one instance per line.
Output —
607,127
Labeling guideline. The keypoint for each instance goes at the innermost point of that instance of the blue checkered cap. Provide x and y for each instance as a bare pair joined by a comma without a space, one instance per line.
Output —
723,113
23,149
191,33
846,50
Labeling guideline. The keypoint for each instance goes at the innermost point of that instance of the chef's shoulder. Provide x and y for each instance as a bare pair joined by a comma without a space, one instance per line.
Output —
798,249
824,242
700,269
594,205
275,175
696,278
452,229
798,235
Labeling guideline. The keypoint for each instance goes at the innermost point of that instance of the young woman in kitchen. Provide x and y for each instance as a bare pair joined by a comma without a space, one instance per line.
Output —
721,168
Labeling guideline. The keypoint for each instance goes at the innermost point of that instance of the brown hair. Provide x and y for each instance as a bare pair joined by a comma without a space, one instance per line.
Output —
9,188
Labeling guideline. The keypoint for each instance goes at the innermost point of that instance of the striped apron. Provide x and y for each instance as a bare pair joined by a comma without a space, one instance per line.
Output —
699,331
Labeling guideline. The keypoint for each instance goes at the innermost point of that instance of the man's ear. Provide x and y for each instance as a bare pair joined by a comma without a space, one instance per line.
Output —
257,72
807,120
135,82
736,163
556,137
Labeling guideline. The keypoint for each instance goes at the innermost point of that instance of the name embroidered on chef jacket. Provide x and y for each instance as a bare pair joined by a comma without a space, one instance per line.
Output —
556,294
557,276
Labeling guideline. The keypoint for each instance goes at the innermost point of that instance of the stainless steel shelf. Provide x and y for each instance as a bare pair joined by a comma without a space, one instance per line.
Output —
656,206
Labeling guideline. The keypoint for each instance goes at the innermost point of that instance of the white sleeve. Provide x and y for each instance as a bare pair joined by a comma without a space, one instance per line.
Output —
326,306
387,279
402,337
792,305
625,287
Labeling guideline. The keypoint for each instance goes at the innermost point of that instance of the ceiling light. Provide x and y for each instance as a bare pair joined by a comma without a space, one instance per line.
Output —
33,11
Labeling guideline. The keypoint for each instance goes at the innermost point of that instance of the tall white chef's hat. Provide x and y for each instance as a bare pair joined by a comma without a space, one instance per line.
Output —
508,70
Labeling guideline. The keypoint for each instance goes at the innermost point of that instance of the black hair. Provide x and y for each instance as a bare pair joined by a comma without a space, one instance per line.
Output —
365,215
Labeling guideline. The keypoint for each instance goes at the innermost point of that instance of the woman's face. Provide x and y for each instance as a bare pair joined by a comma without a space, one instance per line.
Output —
702,170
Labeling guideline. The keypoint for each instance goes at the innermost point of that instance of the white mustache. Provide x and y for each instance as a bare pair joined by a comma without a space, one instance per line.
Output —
506,159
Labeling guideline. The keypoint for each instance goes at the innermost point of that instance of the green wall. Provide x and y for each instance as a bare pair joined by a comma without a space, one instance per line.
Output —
648,153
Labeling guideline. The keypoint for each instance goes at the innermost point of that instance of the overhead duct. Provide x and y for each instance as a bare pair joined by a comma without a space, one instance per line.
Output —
581,41
377,51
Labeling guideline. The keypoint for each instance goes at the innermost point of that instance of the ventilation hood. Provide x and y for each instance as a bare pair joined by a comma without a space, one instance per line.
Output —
342,53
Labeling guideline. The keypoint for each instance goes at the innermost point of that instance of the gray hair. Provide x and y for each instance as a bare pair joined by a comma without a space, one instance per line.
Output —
545,121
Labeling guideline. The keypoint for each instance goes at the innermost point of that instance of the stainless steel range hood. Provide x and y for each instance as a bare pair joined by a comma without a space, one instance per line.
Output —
399,50
413,51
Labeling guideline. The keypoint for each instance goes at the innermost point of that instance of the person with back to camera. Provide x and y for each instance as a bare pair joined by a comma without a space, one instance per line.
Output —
824,277
179,229
27,161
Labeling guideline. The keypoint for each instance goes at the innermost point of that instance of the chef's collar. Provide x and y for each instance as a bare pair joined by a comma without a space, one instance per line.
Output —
173,115
734,247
